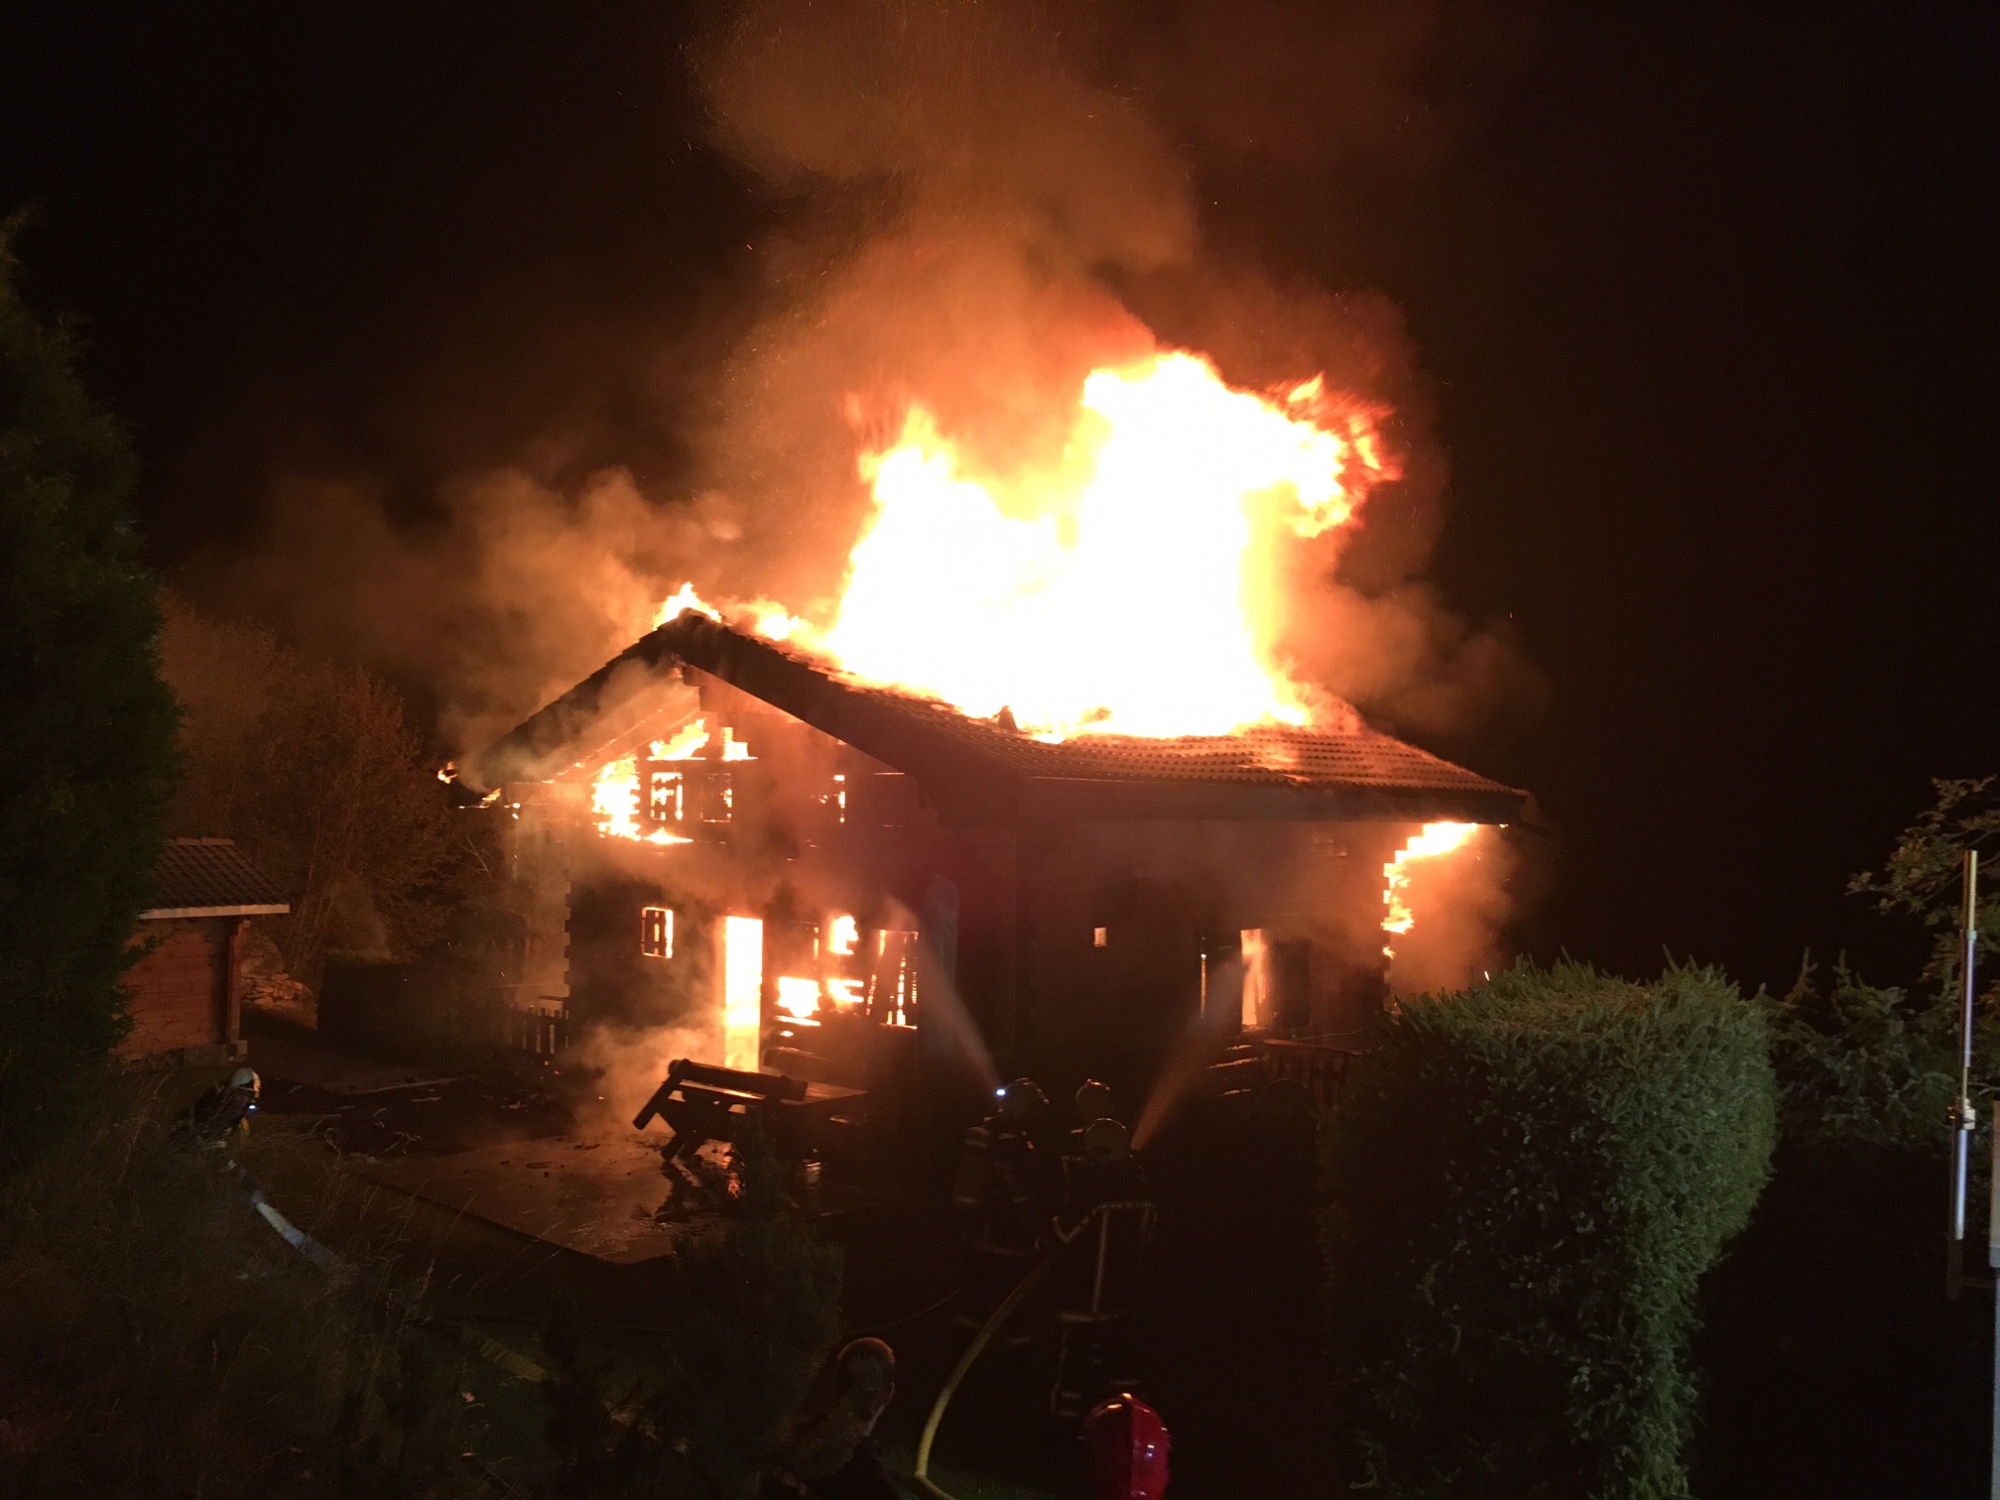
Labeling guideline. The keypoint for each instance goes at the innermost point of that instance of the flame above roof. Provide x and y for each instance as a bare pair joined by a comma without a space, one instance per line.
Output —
982,768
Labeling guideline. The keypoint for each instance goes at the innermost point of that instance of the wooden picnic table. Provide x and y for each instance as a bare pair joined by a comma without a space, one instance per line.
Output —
702,1103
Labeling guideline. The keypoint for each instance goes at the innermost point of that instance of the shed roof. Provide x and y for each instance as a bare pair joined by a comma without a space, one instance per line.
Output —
211,878
981,768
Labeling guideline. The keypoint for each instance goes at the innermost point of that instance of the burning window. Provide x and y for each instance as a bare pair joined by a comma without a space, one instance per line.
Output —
1257,1007
798,996
829,969
742,991
650,797
892,980
656,932
718,797
665,795
1100,937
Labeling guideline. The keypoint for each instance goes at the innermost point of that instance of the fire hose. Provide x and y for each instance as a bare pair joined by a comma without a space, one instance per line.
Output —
966,1360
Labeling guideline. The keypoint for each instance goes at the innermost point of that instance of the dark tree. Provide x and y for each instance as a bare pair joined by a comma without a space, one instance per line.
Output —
315,769
87,750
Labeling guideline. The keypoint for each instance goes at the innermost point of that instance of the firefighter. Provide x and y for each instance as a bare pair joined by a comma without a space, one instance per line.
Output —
224,1110
1093,1102
1101,1230
1103,1170
997,1193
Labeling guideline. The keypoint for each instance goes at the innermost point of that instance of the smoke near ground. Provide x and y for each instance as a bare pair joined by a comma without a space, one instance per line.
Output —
631,1063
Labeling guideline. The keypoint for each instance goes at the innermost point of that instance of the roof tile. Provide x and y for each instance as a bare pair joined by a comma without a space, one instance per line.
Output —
195,875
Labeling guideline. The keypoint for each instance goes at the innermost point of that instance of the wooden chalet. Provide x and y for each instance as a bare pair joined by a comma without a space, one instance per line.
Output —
841,881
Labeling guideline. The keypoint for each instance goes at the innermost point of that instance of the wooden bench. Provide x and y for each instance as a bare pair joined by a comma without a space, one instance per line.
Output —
702,1103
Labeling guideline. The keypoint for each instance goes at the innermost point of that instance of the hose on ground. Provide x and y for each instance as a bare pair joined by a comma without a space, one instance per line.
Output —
972,1352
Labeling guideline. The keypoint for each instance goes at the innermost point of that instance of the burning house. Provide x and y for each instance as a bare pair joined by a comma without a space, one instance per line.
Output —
853,884
1043,792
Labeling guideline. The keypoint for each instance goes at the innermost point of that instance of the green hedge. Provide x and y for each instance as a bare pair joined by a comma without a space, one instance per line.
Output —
1524,1185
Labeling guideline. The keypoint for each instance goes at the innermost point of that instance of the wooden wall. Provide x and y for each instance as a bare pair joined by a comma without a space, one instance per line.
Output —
181,988
1171,900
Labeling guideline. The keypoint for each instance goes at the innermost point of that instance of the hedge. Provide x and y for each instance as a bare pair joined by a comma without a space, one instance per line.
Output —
1523,1187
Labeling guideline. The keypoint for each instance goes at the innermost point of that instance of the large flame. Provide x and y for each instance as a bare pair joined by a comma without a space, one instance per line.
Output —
1434,840
615,794
1131,589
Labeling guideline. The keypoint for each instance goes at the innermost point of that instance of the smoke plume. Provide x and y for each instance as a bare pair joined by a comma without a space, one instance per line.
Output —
970,204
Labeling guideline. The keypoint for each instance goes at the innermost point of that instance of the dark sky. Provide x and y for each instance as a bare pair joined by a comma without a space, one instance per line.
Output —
1708,295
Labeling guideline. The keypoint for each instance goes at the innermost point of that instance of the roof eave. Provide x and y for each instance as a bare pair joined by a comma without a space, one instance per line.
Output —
170,913
964,783
1045,798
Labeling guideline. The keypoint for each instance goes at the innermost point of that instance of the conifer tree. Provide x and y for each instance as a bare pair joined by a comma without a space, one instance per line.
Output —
87,747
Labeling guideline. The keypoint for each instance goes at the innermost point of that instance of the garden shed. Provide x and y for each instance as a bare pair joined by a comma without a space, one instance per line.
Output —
186,987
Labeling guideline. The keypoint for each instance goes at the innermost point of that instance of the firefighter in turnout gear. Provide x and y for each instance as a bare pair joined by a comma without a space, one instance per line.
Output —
225,1110
996,1194
1102,1229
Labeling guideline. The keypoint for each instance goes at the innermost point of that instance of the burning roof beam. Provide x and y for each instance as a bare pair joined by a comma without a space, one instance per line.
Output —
979,770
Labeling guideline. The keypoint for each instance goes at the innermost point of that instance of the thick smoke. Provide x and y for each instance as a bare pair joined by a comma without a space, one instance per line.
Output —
504,600
630,1063
1025,220
975,204
1462,905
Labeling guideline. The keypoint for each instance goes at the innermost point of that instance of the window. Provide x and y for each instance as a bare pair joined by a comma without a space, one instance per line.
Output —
663,796
718,797
656,932
1257,1010
1100,937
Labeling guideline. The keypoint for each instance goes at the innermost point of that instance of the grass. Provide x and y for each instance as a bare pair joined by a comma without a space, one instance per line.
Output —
157,1338
961,1484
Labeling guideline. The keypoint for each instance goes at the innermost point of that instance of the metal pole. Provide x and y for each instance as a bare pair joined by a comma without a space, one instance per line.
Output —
1993,1262
1963,1119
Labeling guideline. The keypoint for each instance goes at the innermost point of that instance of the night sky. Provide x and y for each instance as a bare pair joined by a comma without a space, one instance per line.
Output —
1707,297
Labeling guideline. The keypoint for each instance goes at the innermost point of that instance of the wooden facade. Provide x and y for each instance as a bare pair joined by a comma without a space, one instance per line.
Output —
186,985
186,988
1060,910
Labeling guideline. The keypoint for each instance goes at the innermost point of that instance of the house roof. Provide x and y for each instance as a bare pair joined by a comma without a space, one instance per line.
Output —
210,878
982,769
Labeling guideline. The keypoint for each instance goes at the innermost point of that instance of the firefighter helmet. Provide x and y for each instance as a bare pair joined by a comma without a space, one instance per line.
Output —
246,1078
1127,1445
1022,1099
1093,1101
1106,1141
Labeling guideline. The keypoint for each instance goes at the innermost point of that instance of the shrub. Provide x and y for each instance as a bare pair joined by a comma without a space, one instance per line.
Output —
1524,1185
754,1309
1863,1065
1921,877
86,754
